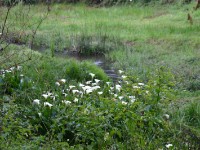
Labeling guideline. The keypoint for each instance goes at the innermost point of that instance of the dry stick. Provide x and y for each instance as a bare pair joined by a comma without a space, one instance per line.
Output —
198,5
5,20
190,19
35,31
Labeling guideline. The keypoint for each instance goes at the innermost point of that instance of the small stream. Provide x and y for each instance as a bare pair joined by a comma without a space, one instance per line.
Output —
100,61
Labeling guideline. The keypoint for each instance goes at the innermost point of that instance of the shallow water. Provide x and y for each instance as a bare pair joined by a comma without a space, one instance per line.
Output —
100,61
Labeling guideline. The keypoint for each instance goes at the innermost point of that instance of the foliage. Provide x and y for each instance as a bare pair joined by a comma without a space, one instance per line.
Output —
80,71
94,114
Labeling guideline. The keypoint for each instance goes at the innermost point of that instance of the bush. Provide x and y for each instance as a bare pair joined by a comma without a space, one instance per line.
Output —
95,114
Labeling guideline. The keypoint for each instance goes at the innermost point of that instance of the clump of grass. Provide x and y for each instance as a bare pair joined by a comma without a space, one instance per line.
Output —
80,71
95,45
191,114
186,117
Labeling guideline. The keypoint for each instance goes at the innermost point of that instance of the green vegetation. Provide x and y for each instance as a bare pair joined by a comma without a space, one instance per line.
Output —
49,102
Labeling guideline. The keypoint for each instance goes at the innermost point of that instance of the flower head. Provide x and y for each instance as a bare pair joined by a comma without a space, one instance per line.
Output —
57,83
92,75
71,86
108,83
100,93
45,96
48,104
81,85
88,82
141,84
75,91
97,81
75,100
168,145
120,71
121,97
36,101
124,103
118,87
67,102
124,77
62,80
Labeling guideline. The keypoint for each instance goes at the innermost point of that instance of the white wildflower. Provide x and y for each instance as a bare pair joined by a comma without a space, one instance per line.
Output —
49,93
126,82
168,145
96,87
12,68
136,87
71,86
94,84
121,97
88,82
36,101
19,67
112,88
106,136
92,75
108,83
118,87
57,83
124,77
124,103
65,94
147,92
63,80
48,104
67,102
120,71
8,71
81,85
39,114
88,91
97,81
53,97
132,99
81,93
115,95
75,91
45,96
75,100
166,116
100,93
86,88
141,84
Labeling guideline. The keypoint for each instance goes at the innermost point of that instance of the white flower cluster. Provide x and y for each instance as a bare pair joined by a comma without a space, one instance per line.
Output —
73,94
10,70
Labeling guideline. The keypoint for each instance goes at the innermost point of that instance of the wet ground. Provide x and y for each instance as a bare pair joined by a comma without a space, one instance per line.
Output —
100,61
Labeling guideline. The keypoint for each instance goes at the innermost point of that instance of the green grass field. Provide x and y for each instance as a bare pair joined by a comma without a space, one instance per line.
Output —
140,40
151,36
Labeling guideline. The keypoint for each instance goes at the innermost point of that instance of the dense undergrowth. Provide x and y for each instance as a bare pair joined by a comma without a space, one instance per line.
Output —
88,112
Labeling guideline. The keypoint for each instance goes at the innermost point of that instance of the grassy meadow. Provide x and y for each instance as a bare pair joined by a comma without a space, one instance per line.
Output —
135,37
53,102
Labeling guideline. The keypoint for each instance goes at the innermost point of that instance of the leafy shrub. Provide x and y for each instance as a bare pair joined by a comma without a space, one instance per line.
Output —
191,114
12,80
96,114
